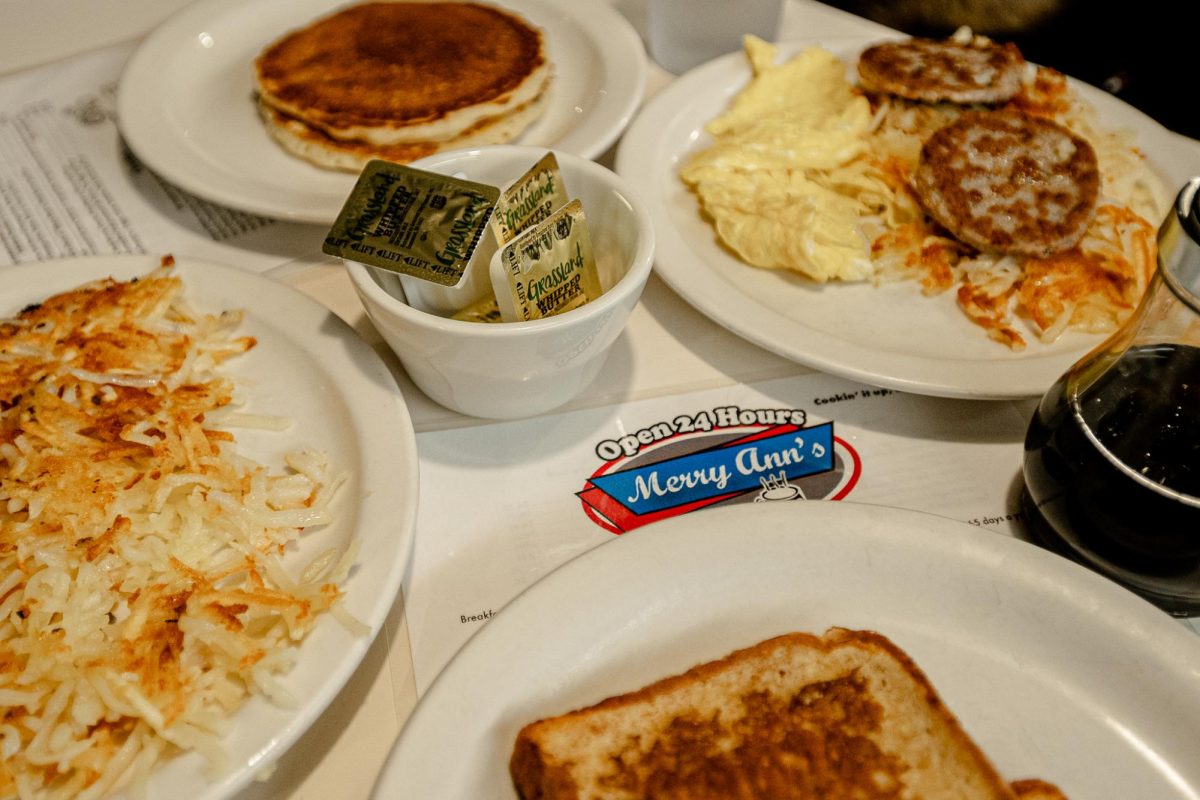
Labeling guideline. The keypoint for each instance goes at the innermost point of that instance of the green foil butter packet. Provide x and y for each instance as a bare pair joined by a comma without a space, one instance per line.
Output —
484,310
548,269
529,200
413,222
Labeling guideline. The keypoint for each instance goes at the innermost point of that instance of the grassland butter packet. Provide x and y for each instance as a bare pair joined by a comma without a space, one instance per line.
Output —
484,310
530,199
412,222
527,201
548,269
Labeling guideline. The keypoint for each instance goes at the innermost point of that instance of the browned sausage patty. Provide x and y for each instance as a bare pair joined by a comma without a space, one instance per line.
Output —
932,71
1007,182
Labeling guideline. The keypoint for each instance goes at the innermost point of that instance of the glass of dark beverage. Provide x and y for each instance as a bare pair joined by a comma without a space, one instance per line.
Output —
1112,456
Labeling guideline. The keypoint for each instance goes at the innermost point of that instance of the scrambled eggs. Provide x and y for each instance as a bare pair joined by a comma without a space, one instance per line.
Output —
781,181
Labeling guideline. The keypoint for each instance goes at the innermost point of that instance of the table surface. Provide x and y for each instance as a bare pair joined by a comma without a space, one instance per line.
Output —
670,349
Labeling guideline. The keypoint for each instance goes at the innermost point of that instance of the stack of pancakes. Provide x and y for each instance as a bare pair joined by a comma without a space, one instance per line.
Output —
401,81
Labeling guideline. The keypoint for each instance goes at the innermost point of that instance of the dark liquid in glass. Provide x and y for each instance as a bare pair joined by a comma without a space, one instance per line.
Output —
1113,479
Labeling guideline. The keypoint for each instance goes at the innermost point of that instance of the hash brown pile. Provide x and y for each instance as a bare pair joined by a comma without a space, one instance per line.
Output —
142,599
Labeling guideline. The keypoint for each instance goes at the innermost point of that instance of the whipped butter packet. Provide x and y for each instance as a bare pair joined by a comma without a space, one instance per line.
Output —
548,269
484,310
412,222
529,200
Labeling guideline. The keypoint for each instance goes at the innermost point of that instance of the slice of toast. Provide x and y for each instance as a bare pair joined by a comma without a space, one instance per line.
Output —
844,715
1034,789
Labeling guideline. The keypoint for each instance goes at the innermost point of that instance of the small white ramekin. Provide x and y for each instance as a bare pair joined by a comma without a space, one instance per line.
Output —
520,369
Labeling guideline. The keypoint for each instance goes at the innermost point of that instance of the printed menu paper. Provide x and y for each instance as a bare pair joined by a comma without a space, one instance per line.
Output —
504,504
70,187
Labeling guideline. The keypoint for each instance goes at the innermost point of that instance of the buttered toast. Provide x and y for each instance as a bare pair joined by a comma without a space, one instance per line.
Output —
1034,789
844,715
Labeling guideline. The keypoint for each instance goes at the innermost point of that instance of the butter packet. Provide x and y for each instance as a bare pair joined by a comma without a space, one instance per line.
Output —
529,200
412,222
484,310
548,269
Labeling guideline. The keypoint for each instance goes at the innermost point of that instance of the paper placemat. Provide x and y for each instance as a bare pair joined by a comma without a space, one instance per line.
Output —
504,504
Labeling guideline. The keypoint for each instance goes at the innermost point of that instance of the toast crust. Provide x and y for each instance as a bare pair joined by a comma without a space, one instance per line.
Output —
847,715
1035,789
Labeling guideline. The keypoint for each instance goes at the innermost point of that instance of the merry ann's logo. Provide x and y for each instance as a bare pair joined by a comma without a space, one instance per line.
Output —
726,455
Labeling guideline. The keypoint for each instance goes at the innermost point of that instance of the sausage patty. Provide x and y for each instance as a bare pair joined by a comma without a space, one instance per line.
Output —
1007,182
932,71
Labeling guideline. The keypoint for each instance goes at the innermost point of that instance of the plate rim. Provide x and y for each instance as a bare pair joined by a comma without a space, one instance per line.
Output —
1086,591
397,506
644,155
622,59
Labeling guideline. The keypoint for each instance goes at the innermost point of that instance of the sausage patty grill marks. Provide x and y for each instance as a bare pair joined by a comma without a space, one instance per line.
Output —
1010,183
933,71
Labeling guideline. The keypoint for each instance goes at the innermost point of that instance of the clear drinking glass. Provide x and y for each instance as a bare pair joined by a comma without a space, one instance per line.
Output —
1112,456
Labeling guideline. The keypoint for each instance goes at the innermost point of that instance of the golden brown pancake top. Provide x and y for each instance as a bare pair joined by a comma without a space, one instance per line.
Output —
393,64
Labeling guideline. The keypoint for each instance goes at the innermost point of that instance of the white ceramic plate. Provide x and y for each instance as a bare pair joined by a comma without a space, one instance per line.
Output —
1056,672
887,336
313,368
186,105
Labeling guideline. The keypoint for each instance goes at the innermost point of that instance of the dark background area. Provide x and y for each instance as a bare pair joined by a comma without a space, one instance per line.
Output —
1145,52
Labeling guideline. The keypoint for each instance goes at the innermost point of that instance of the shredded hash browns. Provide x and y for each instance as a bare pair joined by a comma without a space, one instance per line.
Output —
141,593
1091,287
